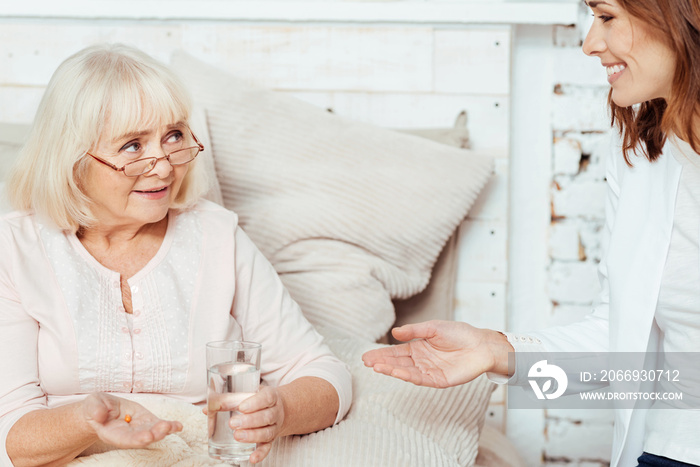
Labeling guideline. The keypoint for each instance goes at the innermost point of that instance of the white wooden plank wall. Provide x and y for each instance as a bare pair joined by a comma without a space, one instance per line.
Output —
392,76
412,76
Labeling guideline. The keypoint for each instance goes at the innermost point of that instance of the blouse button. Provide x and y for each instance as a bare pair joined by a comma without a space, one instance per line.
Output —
137,331
117,284
137,312
138,384
126,386
138,355
127,355
125,330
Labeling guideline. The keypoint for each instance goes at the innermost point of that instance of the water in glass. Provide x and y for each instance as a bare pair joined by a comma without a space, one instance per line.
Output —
229,384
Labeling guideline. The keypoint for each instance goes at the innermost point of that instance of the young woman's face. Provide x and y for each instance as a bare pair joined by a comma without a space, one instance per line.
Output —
119,200
640,67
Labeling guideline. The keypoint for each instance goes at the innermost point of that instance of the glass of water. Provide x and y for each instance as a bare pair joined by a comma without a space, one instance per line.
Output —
233,375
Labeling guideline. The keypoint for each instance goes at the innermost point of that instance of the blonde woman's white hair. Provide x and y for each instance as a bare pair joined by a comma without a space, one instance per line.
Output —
100,92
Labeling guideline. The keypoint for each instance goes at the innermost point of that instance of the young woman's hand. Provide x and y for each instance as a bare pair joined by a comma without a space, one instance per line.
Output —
443,354
123,423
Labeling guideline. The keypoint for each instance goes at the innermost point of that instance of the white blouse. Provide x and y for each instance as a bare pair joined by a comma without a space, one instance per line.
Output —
671,426
64,332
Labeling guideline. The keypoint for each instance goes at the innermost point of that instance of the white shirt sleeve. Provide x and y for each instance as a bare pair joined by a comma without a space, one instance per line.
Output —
20,392
291,347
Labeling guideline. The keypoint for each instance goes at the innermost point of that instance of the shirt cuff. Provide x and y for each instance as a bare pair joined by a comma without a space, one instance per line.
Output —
521,343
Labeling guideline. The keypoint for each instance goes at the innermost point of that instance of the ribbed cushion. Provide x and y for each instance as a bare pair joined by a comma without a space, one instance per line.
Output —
392,423
351,215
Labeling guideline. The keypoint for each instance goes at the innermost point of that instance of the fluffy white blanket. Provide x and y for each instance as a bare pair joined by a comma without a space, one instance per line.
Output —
391,423
185,449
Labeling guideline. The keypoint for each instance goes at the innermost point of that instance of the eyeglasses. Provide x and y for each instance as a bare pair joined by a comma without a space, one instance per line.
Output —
138,167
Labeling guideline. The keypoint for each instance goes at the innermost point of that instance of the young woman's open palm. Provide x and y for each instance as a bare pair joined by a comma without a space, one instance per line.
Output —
442,354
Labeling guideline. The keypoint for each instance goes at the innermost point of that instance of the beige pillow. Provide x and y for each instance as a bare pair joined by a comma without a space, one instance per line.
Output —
198,124
351,215
436,301
496,450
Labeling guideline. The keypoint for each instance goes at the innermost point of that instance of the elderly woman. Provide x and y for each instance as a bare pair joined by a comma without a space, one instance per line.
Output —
114,274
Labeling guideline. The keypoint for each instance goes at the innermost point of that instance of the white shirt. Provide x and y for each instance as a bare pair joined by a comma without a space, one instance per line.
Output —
640,208
672,429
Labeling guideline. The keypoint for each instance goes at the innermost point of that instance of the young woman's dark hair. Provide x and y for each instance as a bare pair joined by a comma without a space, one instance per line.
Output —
677,22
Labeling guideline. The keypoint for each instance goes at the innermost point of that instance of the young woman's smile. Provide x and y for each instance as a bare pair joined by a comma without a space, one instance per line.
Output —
639,65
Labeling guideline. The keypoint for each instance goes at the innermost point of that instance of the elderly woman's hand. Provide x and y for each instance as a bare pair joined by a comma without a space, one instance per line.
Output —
299,407
123,423
261,421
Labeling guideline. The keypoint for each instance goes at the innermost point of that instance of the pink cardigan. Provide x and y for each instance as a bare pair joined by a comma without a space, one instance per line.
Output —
64,333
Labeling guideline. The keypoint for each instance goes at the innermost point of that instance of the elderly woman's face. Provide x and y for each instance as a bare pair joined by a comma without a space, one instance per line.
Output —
120,200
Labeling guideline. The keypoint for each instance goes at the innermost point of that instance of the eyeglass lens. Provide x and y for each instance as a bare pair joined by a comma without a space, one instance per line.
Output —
179,157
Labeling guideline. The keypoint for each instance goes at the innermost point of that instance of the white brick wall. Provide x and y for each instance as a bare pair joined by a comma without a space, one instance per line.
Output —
580,131
577,441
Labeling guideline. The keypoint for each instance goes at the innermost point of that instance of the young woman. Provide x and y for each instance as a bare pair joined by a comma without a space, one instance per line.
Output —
114,275
650,274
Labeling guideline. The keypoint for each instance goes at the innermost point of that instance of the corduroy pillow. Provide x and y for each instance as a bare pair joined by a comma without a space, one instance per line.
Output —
351,215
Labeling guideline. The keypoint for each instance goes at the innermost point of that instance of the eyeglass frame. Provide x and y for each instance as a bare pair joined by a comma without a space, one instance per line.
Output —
199,146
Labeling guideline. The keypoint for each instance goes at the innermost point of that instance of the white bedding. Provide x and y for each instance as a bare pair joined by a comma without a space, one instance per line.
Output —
391,423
